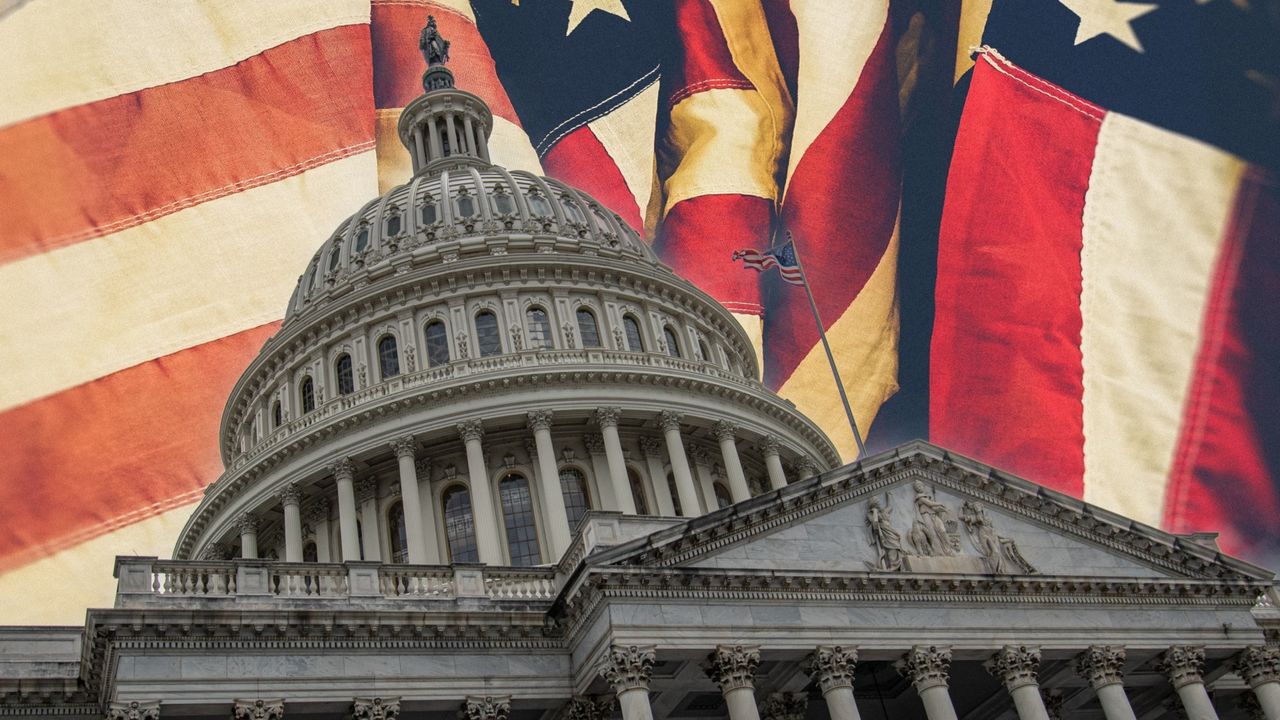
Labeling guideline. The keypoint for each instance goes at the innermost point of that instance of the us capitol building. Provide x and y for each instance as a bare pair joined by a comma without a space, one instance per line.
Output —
500,463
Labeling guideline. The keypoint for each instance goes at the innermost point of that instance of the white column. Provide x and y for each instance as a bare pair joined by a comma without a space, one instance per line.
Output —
454,146
416,526
344,478
806,467
558,537
773,463
928,667
248,536
367,497
607,417
291,503
725,434
832,666
485,707
602,486
1184,666
652,450
428,511
318,514
1103,667
1259,665
733,668
688,494
466,130
627,668
1017,666
486,519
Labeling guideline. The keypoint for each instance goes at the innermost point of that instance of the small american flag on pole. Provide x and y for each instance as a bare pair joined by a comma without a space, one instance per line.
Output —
782,257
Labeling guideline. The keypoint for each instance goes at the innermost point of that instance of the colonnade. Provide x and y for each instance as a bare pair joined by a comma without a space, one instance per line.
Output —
357,508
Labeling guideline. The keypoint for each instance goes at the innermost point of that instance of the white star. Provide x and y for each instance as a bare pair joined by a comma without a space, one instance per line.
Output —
582,8
1098,17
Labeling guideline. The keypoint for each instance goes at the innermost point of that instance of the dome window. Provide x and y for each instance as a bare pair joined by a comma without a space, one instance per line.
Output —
588,328
487,336
572,209
277,415
395,220
538,205
362,238
703,352
631,326
397,538
466,204
573,486
437,343
388,357
539,328
503,203
637,492
673,343
308,392
459,525
429,213
346,381
311,283
517,512
334,256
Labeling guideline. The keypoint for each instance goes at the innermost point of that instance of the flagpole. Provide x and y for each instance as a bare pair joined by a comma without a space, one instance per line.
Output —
822,333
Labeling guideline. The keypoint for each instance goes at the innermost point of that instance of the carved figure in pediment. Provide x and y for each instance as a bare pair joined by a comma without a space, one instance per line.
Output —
933,532
1000,553
886,541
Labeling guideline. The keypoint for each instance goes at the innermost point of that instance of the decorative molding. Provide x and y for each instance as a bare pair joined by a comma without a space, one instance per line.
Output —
1000,554
486,707
594,444
290,495
702,455
366,489
1258,664
375,708
724,430
806,465
404,447
471,430
1015,665
669,420
784,706
343,469
1052,699
1183,664
651,446
588,707
628,667
769,445
247,523
831,666
134,710
318,511
258,710
607,417
927,666
538,420
733,667
1101,665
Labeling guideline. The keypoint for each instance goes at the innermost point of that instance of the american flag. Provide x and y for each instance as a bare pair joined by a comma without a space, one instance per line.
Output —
166,172
782,257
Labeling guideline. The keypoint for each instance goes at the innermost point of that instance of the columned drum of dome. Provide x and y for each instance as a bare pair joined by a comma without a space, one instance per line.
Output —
473,296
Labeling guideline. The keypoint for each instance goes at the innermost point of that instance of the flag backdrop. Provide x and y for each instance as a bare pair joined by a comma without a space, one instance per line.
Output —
1101,321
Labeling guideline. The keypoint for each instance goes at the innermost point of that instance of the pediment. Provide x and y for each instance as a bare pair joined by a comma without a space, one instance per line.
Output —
923,511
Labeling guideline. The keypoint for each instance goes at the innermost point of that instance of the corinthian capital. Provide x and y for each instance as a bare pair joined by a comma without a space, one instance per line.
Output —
486,707
290,495
375,708
343,469
134,711
366,489
628,667
1258,664
651,447
594,443
403,447
926,665
248,523
784,706
1101,665
539,420
769,445
319,511
594,707
1183,664
724,430
669,420
831,666
733,666
806,466
608,416
258,710
1015,666
470,430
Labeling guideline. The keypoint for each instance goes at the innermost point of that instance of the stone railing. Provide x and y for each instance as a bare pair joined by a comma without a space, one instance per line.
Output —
142,580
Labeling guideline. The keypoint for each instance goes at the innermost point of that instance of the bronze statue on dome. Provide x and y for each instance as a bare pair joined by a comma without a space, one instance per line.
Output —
435,49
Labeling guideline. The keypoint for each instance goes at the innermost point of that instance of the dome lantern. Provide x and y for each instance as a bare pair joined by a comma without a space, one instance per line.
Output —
445,126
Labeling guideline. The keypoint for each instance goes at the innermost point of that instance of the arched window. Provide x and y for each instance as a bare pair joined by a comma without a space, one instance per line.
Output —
675,494
277,415
703,351
399,542
466,206
673,344
309,553
588,329
437,343
538,205
573,486
723,498
487,335
334,255
539,328
637,492
388,358
503,203
635,341
429,212
572,210
346,381
395,220
308,392
362,238
517,511
311,284
459,525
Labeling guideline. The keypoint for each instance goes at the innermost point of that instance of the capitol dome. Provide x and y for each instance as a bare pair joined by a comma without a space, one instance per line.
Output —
473,361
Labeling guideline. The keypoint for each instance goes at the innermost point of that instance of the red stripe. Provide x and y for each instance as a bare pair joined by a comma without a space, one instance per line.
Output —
1006,374
108,165
841,205
581,161
116,450
398,65
1226,473
699,235
705,62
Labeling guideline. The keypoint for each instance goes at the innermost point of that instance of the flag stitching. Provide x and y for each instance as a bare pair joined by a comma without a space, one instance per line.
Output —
1065,99
709,84
543,145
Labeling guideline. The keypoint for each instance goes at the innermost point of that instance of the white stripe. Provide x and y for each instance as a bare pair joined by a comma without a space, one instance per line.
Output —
83,311
80,576
62,53
627,135
1154,218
